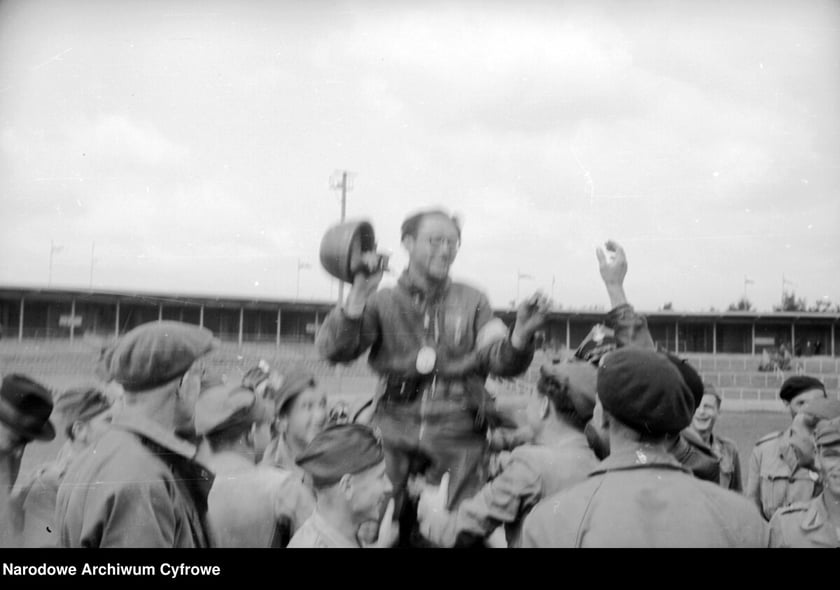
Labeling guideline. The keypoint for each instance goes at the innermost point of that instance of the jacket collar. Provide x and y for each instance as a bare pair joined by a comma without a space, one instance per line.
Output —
817,523
418,293
155,433
643,457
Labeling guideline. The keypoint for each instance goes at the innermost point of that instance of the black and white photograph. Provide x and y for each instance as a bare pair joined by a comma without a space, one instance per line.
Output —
416,275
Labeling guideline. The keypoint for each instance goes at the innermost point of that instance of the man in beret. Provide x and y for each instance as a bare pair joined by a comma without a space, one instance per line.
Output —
558,458
139,485
702,427
433,342
25,408
84,415
624,327
347,467
640,496
816,523
249,505
778,474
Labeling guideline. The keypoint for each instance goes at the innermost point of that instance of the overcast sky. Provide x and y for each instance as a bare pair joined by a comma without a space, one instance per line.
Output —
193,143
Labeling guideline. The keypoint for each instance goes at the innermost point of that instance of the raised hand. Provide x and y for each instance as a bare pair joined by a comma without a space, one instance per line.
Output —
530,317
613,267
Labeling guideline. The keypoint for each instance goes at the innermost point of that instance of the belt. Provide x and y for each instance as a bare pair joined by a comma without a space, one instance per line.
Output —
407,389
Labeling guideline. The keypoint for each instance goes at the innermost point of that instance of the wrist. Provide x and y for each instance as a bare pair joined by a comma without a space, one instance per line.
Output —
519,340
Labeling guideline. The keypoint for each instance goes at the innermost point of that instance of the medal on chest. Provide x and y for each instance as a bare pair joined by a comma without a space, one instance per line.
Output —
426,358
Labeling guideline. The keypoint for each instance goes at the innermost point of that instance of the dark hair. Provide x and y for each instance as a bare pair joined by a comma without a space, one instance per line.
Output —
412,222
558,393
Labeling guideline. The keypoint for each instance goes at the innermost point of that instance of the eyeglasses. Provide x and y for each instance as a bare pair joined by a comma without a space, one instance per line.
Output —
438,241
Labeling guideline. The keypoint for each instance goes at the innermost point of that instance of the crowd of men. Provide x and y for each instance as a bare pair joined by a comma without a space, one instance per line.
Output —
616,445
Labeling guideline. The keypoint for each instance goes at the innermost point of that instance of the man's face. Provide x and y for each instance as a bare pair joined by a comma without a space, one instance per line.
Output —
10,440
433,250
828,463
307,415
706,414
371,490
800,400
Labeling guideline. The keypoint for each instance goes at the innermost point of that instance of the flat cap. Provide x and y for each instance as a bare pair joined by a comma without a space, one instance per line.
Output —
227,405
339,450
157,352
797,384
80,403
25,407
827,432
644,390
580,379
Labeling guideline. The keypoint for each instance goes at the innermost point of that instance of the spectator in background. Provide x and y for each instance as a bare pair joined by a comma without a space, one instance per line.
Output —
703,424
300,407
249,505
84,414
779,474
816,523
25,408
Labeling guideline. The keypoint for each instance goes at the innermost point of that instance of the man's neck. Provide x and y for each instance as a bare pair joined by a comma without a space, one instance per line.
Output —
556,431
705,436
423,281
339,519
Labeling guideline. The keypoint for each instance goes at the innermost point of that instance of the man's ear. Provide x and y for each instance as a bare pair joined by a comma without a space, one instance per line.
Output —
408,243
544,407
345,484
79,431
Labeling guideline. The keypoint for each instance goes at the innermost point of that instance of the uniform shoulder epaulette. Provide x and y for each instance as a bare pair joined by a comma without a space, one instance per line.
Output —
768,437
795,507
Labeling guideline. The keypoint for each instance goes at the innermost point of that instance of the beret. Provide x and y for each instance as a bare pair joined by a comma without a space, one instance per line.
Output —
596,344
827,432
579,377
339,450
227,405
80,403
25,407
690,376
157,352
644,390
797,384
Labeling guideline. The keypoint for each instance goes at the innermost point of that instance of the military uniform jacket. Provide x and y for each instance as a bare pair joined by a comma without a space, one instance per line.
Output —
457,321
775,478
644,499
531,472
317,533
803,525
730,463
137,486
255,505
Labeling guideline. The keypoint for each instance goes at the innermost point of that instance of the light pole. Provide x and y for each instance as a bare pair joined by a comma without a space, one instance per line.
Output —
300,265
747,281
53,250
